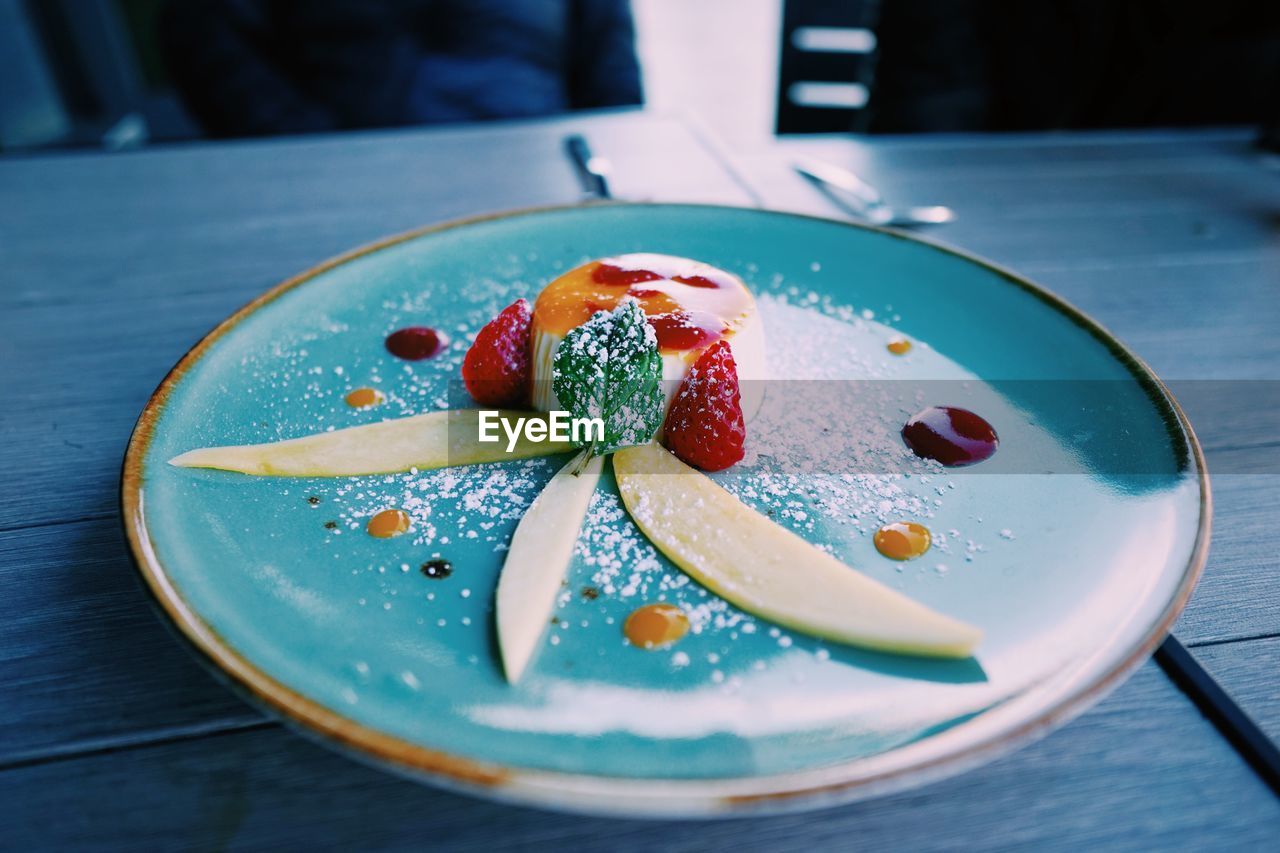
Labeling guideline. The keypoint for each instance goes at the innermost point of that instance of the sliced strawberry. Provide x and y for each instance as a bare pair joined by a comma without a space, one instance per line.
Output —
497,368
704,425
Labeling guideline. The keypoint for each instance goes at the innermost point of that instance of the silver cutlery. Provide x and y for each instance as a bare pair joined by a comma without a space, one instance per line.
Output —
860,199
593,171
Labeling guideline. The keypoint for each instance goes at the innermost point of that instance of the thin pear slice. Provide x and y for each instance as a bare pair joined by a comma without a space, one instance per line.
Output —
767,570
434,440
540,553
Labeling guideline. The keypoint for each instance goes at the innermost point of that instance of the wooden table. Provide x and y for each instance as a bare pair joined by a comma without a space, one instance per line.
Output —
112,265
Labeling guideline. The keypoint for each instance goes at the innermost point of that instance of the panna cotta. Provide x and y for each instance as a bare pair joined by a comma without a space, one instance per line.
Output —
689,304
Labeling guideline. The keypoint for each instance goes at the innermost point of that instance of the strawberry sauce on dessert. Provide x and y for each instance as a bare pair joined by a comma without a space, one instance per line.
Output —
689,304
680,331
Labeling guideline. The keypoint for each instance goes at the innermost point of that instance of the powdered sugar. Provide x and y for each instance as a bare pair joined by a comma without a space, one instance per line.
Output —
812,465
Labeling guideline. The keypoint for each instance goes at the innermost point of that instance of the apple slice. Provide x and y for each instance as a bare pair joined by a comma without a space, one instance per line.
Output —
767,570
534,569
434,440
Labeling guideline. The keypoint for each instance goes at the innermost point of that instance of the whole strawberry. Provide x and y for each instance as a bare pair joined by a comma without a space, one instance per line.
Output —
704,425
497,368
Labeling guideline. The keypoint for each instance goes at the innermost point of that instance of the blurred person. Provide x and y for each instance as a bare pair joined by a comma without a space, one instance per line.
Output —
262,67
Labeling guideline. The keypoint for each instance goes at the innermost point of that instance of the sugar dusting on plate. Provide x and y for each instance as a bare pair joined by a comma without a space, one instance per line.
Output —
814,343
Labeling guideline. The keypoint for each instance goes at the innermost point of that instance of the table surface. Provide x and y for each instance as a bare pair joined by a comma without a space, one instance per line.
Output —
111,266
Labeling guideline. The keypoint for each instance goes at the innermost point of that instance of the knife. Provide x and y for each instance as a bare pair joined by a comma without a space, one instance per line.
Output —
593,171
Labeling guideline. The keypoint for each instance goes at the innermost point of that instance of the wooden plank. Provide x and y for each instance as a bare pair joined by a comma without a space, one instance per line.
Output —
1239,594
118,264
1143,771
84,661
1248,671
84,226
1200,328
1188,321
1025,215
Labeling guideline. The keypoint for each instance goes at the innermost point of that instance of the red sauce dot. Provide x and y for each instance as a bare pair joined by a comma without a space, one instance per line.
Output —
952,436
682,330
415,343
613,274
698,281
642,292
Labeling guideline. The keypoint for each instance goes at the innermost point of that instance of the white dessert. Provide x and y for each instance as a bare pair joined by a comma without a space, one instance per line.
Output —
690,304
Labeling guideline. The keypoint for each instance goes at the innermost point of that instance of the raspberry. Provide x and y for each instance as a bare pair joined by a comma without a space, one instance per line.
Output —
704,426
497,368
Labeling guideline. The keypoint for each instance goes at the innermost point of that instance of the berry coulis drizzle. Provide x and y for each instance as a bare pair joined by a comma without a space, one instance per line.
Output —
685,330
414,343
953,436
676,330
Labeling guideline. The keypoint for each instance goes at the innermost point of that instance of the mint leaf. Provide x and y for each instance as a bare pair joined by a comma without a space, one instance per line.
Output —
609,368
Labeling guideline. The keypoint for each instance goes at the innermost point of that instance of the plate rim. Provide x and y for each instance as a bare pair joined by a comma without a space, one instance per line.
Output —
615,795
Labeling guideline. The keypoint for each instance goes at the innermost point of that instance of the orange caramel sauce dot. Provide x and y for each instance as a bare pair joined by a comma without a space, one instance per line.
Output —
388,523
655,625
899,346
903,540
361,397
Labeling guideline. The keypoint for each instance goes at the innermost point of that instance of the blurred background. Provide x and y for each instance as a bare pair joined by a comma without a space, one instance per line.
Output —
123,73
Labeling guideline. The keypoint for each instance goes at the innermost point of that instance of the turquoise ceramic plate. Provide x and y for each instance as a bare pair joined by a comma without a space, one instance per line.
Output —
1073,548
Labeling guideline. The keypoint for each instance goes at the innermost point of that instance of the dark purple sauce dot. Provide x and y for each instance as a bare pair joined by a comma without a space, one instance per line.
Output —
437,569
952,436
415,343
